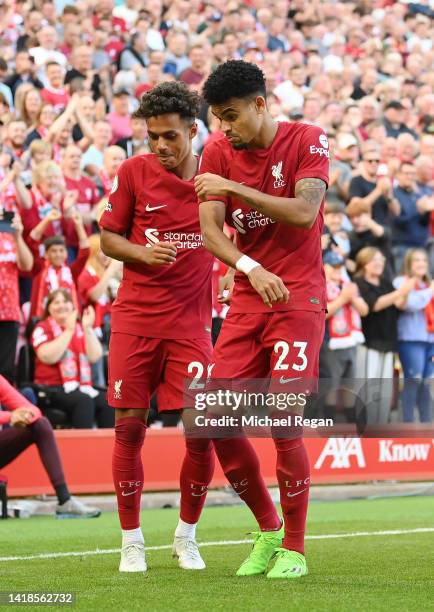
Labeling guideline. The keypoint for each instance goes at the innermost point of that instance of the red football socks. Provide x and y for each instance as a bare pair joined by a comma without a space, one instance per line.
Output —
293,476
241,467
196,474
128,469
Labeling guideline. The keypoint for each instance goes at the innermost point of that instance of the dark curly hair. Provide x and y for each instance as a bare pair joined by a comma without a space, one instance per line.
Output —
170,97
234,79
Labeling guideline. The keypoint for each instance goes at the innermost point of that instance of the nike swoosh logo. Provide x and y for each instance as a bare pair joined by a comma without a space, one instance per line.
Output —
126,494
294,494
287,380
240,492
198,494
150,208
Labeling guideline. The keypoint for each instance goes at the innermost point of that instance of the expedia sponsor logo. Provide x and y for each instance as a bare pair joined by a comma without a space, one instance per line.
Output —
314,150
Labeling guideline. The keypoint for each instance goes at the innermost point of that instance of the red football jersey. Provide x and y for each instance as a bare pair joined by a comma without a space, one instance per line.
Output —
149,204
298,151
45,373
87,198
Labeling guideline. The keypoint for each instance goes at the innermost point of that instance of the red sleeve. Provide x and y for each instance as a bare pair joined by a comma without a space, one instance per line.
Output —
78,265
119,210
38,261
212,160
11,399
41,334
86,282
314,155
34,295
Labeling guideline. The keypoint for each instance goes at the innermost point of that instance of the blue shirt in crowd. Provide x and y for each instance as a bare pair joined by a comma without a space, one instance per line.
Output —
412,323
410,228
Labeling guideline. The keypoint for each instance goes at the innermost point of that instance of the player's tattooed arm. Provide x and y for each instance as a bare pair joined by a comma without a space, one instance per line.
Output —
311,190
300,211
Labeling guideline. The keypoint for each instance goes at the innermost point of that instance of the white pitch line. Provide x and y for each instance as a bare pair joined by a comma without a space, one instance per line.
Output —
112,551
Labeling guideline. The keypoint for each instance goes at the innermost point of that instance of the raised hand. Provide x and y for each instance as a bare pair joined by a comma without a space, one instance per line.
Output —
88,318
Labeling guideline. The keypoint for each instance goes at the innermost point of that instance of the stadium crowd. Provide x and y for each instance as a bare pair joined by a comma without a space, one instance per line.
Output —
70,77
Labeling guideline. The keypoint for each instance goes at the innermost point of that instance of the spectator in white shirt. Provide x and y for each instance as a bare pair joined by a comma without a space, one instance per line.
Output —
46,52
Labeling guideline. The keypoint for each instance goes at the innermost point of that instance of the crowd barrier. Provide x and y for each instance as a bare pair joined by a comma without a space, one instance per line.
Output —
86,456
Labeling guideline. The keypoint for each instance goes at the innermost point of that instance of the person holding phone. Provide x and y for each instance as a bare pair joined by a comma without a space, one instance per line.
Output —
15,256
65,349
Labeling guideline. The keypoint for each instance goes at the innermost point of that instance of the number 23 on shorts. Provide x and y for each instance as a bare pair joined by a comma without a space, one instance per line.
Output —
280,356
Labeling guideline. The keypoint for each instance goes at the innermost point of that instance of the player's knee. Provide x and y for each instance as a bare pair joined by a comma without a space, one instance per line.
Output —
130,430
41,427
198,446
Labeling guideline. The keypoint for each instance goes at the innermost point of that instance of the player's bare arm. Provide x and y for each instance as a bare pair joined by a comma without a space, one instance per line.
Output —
120,248
269,286
300,211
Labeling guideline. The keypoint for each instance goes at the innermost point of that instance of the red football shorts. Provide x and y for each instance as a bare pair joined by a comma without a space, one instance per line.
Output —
140,366
281,346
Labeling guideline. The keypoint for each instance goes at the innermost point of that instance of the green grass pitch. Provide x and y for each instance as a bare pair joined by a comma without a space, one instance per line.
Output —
375,572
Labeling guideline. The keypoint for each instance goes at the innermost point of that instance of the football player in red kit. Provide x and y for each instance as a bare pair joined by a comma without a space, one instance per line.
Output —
268,181
161,318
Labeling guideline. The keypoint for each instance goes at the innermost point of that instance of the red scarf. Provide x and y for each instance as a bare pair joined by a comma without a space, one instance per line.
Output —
52,278
102,305
74,366
345,325
429,309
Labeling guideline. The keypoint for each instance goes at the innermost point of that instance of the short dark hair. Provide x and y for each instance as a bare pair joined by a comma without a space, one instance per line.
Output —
54,241
169,97
70,9
234,79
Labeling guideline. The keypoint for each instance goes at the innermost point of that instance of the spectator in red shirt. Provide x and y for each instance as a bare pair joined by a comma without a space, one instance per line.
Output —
52,271
104,10
55,93
87,193
198,70
15,256
64,350
71,38
154,76
45,195
27,427
113,157
96,281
